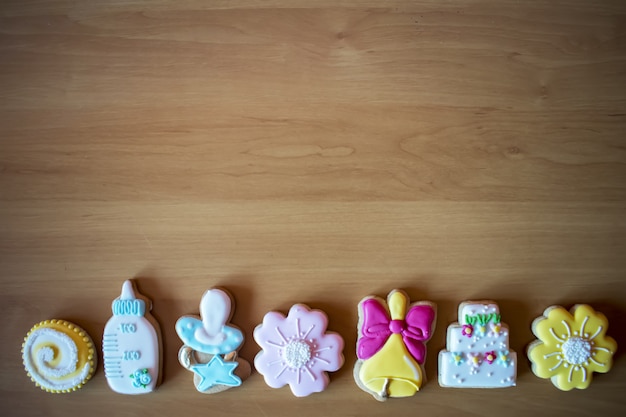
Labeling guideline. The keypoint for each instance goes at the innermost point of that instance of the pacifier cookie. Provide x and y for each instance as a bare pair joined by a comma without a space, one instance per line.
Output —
571,346
391,348
58,356
211,344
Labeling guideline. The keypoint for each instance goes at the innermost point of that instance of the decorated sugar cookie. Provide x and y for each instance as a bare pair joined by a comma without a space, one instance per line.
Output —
391,348
571,346
131,345
297,350
59,356
211,344
477,351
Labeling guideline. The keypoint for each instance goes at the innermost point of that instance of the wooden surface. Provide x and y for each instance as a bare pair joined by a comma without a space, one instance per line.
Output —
316,152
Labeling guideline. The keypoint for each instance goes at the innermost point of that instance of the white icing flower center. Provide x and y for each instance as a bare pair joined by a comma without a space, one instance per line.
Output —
297,353
576,350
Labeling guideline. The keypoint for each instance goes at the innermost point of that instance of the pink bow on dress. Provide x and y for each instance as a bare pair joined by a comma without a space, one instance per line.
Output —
378,326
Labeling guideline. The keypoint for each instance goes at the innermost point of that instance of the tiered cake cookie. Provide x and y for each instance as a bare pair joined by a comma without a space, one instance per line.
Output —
477,354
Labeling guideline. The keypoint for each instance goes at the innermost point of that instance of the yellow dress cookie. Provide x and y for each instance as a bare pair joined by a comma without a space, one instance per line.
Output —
392,371
391,348
571,346
58,356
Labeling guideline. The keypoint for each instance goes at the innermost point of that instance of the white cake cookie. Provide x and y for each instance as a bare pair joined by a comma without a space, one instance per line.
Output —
477,351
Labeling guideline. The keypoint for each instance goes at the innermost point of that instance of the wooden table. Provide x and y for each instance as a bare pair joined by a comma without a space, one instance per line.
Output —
312,152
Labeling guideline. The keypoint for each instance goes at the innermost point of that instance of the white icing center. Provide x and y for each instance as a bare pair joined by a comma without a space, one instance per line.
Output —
297,353
576,350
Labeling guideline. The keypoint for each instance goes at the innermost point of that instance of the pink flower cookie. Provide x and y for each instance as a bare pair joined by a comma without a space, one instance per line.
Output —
297,350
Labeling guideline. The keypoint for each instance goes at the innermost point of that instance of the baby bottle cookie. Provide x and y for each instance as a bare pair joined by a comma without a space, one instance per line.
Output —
58,356
477,351
131,345
211,344
297,350
391,348
571,346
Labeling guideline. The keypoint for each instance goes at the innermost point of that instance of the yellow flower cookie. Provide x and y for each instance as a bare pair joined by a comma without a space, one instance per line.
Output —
571,346
58,356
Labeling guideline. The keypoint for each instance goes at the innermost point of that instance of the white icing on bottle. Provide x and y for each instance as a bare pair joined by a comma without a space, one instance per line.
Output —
131,346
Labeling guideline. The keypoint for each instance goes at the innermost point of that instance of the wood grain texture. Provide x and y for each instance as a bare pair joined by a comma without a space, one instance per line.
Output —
316,152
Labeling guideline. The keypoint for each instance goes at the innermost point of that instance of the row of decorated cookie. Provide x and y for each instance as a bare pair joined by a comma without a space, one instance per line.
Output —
297,349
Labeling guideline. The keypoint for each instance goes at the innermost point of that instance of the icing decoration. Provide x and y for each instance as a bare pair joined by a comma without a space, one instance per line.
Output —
503,358
474,359
483,339
377,327
131,345
571,346
482,319
59,356
210,334
391,347
457,358
210,345
216,372
481,329
141,378
297,350
495,329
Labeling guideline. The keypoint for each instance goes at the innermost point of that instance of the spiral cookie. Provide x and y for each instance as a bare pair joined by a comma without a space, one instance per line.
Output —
58,356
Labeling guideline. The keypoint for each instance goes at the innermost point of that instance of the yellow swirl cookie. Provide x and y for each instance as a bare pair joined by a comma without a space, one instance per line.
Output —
59,356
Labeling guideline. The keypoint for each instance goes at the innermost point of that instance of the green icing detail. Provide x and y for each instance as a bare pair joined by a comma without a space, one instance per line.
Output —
482,318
